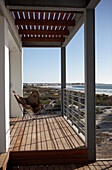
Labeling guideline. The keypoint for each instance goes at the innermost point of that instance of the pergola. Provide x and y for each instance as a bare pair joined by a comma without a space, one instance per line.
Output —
53,23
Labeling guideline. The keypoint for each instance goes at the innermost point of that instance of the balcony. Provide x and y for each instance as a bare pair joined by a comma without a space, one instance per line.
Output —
49,139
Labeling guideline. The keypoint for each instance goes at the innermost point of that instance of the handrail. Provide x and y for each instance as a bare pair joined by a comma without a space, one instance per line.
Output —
74,113
73,103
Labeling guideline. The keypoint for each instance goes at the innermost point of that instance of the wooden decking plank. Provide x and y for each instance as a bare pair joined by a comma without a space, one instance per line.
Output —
77,139
24,138
95,164
57,134
33,140
52,140
106,163
14,135
28,136
44,133
13,129
91,166
12,123
70,136
19,138
39,135
67,134
67,144
36,121
101,164
43,136
4,157
56,130
48,157
47,136
79,167
61,135
58,167
85,167
110,163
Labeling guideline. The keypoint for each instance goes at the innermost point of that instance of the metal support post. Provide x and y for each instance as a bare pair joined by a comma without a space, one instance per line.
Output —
79,112
63,75
67,104
89,38
72,107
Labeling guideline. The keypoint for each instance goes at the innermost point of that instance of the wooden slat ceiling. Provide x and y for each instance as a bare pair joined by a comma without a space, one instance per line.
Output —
43,26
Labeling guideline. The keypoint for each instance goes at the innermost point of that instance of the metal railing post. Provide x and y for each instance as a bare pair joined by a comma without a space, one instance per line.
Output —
72,107
67,103
79,112
63,74
63,102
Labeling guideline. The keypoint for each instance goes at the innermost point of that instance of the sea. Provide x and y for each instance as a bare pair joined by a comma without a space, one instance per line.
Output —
100,88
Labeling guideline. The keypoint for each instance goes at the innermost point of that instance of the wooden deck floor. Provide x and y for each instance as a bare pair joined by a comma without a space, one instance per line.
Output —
43,133
98,165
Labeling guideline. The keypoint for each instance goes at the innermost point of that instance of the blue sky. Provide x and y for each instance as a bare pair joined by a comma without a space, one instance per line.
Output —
44,64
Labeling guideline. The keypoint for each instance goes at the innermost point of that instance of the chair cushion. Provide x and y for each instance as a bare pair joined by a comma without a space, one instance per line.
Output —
33,99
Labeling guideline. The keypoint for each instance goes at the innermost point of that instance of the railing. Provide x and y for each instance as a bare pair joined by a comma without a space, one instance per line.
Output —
74,110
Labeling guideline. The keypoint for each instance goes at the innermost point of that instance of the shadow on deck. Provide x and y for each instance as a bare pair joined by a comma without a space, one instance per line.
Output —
48,142
44,140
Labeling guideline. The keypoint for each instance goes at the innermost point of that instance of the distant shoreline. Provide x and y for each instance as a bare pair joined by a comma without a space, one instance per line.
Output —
71,88
100,88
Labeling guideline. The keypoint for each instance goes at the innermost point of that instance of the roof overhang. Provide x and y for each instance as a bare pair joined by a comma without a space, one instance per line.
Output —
48,23
46,4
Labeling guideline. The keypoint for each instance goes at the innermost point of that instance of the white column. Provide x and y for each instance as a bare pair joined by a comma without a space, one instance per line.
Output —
63,74
16,80
89,33
4,86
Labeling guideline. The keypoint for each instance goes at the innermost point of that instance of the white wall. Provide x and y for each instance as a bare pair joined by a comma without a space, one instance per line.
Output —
7,46
16,80
4,86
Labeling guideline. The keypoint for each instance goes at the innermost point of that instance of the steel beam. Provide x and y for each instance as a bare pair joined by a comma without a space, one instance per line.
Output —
41,44
11,24
89,38
40,39
12,4
91,4
63,74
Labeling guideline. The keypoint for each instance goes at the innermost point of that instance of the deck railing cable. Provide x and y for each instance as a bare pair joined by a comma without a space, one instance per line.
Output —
74,109
74,112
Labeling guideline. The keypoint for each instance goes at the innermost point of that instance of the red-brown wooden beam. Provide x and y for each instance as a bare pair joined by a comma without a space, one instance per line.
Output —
31,39
44,32
44,22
